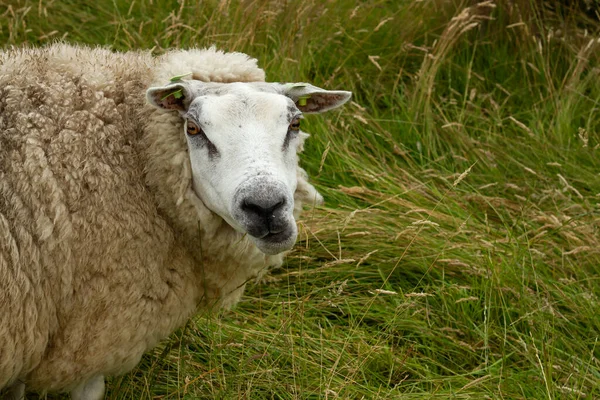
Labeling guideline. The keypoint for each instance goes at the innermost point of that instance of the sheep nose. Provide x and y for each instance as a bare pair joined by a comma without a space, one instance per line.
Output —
263,208
264,212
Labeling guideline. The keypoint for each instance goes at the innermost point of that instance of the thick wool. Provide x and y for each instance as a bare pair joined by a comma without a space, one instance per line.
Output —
104,247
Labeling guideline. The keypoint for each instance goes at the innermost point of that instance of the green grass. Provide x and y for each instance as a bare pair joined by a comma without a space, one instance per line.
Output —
458,254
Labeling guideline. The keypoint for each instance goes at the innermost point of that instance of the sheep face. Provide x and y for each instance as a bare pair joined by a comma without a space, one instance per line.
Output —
243,140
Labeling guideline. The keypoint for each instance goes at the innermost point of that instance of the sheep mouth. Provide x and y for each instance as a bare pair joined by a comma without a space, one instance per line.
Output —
277,242
276,237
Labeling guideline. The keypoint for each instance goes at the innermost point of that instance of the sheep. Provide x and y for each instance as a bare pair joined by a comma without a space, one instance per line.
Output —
133,195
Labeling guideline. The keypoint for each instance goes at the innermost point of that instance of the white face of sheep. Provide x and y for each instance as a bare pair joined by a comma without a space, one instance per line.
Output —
243,140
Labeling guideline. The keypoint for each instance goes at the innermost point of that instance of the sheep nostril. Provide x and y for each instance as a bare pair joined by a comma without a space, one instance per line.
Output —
265,209
263,214
251,208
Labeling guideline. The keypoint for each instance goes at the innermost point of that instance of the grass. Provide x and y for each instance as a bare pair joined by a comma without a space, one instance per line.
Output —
458,254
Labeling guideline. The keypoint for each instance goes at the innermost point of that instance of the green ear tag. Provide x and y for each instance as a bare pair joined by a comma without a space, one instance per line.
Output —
177,94
302,100
177,78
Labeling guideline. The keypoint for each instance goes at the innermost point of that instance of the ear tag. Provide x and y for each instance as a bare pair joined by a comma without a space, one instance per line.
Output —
177,94
302,100
177,78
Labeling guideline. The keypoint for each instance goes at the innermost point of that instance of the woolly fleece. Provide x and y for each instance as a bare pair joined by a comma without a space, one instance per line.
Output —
104,247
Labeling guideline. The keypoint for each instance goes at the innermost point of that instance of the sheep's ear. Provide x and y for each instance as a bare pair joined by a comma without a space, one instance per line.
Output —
171,97
311,99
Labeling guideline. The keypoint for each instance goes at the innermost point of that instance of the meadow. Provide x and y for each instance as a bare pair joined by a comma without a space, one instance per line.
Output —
457,255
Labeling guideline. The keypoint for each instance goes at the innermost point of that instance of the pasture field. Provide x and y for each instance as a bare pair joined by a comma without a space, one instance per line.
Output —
458,253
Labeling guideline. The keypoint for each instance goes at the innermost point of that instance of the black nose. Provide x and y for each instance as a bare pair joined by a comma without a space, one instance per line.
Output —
264,212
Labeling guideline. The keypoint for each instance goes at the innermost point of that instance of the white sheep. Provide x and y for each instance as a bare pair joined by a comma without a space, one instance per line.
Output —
119,219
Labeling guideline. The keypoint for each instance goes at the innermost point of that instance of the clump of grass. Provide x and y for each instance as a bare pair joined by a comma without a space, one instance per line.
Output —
458,254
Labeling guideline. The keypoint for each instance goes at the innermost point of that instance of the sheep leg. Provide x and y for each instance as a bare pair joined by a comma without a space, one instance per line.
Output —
15,392
92,389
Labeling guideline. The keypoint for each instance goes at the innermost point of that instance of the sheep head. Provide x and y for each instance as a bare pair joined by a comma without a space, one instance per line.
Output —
243,140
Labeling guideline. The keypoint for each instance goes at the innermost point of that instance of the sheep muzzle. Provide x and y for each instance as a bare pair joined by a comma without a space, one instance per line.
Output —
263,207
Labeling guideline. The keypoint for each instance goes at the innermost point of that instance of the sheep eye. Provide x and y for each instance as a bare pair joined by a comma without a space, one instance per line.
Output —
295,125
192,128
